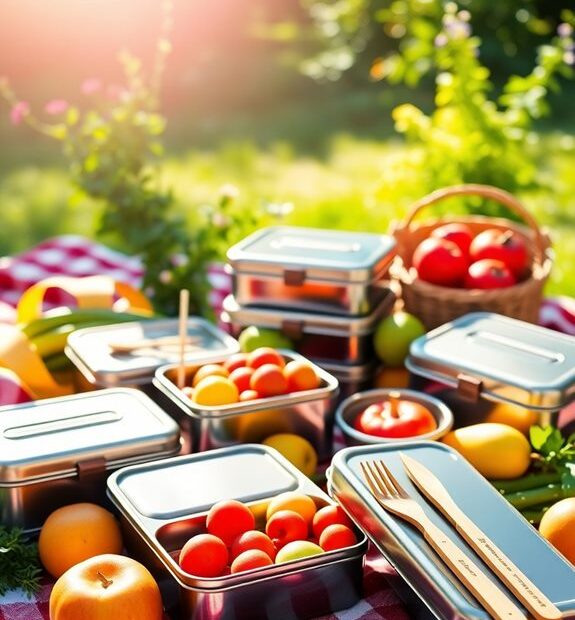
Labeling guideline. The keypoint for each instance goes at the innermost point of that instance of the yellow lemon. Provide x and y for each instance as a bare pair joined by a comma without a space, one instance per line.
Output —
215,390
296,449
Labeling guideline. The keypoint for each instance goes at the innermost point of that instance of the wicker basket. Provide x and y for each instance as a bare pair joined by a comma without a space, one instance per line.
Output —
436,305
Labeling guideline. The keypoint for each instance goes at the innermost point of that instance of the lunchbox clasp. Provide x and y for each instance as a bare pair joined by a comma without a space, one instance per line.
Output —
91,468
469,388
294,277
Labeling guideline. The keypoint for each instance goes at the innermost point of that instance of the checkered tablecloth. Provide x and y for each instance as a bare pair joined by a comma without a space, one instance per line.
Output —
73,255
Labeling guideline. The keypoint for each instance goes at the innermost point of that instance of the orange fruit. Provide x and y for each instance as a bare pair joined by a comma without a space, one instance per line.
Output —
209,370
215,390
74,533
558,527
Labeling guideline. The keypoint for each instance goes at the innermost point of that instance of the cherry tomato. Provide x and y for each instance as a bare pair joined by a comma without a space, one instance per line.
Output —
395,419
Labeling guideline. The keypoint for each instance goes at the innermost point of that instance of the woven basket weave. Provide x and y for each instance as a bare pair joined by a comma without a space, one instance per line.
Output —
435,305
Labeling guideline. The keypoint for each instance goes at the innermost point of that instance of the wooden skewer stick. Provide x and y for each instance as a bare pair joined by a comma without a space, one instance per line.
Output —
127,347
183,333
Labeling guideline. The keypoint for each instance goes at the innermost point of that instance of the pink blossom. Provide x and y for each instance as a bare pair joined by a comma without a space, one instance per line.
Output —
56,106
19,111
91,86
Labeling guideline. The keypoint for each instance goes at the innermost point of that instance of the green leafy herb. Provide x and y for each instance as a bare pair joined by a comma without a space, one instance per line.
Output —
554,452
19,562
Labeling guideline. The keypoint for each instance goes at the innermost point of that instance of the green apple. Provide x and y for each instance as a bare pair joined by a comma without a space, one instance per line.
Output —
254,337
296,550
394,334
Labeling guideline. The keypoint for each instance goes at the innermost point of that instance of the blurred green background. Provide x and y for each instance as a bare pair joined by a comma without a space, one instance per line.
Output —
241,110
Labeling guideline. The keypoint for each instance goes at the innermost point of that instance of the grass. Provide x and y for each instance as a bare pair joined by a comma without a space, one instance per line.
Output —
356,184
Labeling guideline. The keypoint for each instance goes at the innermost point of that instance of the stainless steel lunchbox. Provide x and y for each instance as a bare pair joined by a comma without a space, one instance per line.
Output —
59,451
308,269
92,350
308,413
482,360
423,577
158,523
351,379
320,337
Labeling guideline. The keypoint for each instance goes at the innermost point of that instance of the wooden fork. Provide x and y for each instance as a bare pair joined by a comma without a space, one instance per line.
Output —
389,493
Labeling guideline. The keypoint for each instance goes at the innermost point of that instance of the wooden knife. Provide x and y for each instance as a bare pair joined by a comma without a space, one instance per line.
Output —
523,588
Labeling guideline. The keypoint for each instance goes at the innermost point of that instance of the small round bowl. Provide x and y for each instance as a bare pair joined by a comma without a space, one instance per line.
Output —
349,408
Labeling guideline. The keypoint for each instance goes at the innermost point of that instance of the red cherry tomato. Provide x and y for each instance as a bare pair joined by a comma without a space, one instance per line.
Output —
395,419
488,274
507,246
440,262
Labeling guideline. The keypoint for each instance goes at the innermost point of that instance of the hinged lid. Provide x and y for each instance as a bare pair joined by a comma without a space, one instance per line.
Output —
82,434
301,254
91,349
294,324
500,359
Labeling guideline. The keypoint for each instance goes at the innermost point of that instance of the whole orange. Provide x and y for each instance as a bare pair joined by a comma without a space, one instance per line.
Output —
558,527
75,533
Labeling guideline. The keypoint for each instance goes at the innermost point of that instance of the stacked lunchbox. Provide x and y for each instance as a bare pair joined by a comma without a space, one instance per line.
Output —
325,290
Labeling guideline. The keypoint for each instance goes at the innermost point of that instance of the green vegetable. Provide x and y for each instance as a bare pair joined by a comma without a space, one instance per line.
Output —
529,481
535,514
19,562
540,495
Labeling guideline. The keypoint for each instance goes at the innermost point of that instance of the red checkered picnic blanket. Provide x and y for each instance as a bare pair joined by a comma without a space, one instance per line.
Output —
73,255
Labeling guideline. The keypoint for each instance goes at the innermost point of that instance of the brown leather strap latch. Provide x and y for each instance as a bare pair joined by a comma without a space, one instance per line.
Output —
91,468
469,388
294,277
292,329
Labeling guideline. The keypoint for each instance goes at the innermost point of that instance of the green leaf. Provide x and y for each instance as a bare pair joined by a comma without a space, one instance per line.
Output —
538,436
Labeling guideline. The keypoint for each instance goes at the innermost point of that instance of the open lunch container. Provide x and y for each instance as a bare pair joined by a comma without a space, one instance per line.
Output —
315,270
91,350
420,570
308,413
484,360
60,451
156,526
319,337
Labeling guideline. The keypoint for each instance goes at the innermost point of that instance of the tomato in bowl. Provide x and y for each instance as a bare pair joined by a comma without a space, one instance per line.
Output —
384,415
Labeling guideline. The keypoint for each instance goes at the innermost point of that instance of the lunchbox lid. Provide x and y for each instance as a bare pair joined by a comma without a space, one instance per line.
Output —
82,434
294,323
488,355
300,254
414,559
90,349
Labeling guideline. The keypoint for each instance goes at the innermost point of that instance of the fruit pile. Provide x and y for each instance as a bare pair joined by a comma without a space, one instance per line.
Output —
248,376
295,528
452,256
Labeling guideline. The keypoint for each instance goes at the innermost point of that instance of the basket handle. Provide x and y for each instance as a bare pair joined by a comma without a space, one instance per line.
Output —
486,191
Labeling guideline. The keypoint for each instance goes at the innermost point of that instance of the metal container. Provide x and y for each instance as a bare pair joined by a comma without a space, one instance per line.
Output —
351,379
411,556
321,337
158,524
350,408
483,359
90,349
326,271
59,451
308,413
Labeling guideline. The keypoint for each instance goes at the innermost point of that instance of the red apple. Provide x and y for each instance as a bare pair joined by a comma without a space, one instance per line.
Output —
505,245
440,262
228,519
395,418
286,526
487,274
106,586
460,234
204,555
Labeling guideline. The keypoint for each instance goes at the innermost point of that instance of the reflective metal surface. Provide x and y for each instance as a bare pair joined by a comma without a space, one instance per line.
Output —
509,360
90,349
308,413
412,557
310,269
60,450
320,337
157,527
